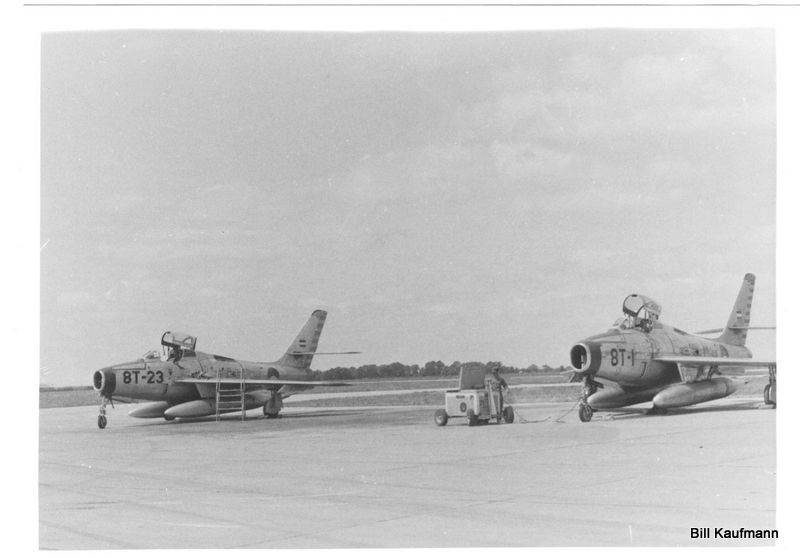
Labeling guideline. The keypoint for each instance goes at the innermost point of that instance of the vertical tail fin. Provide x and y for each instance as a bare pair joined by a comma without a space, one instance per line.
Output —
300,352
735,332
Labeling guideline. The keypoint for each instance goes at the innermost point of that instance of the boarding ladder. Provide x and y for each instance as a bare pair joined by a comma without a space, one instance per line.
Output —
230,393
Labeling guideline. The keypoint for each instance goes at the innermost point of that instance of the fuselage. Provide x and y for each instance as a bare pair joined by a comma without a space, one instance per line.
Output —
153,379
642,359
626,355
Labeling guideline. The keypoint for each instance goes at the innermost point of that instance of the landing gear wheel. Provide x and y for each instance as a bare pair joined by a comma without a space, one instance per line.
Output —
101,417
585,412
273,406
769,395
269,412
440,417
508,414
472,418
166,418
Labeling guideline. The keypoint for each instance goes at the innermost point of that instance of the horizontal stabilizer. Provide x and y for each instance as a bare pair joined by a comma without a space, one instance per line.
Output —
299,353
735,328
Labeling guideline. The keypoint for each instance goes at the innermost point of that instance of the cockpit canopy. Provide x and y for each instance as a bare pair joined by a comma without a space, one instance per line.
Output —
640,313
177,340
640,306
177,345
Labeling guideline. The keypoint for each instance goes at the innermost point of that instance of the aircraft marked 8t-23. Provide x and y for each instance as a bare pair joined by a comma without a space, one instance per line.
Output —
648,360
185,383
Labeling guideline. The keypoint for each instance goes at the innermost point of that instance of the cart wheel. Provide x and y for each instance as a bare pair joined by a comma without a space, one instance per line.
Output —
101,421
440,417
508,414
472,418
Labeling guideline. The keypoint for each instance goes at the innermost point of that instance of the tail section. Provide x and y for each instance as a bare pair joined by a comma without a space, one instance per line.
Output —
735,332
302,349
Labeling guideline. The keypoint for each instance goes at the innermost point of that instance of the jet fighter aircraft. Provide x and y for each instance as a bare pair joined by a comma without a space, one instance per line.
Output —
186,383
648,360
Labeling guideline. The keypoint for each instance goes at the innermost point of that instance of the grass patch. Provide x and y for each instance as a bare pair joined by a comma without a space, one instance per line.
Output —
70,397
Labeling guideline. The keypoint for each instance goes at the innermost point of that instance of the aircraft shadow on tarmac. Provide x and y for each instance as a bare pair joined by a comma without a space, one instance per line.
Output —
643,413
301,415
605,414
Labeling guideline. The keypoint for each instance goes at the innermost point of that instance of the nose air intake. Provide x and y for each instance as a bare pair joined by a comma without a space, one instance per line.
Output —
585,357
104,382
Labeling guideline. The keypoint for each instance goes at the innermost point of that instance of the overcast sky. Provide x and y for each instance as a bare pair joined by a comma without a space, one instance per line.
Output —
486,196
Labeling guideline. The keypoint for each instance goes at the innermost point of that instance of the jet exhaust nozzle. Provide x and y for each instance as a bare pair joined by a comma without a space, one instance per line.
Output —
105,382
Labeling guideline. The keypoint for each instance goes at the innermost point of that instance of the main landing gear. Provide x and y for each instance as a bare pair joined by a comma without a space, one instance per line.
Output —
272,408
102,421
585,412
770,390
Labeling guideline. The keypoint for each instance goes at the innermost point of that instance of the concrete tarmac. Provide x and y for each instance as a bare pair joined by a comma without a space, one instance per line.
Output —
388,477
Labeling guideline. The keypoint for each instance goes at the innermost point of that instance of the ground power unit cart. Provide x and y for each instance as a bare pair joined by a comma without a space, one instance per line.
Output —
476,399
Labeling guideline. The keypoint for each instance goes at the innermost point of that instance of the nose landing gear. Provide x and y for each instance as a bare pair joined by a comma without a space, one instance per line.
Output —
585,412
101,417
770,390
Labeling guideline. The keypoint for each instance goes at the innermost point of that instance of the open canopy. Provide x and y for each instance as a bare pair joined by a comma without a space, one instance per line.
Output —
178,340
640,306
641,313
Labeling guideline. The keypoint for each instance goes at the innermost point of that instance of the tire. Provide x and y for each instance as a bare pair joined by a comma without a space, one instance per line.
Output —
769,394
101,422
440,417
585,413
472,418
508,414
269,415
168,419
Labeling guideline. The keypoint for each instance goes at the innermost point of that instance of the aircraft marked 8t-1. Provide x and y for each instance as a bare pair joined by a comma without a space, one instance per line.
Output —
648,360
185,383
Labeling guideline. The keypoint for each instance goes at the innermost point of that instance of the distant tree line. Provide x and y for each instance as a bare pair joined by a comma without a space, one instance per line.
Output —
430,369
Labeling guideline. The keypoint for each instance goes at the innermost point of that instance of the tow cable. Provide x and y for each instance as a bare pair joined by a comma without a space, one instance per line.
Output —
523,420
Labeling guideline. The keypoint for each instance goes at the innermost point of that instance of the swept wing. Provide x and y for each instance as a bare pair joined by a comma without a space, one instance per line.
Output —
697,361
260,382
